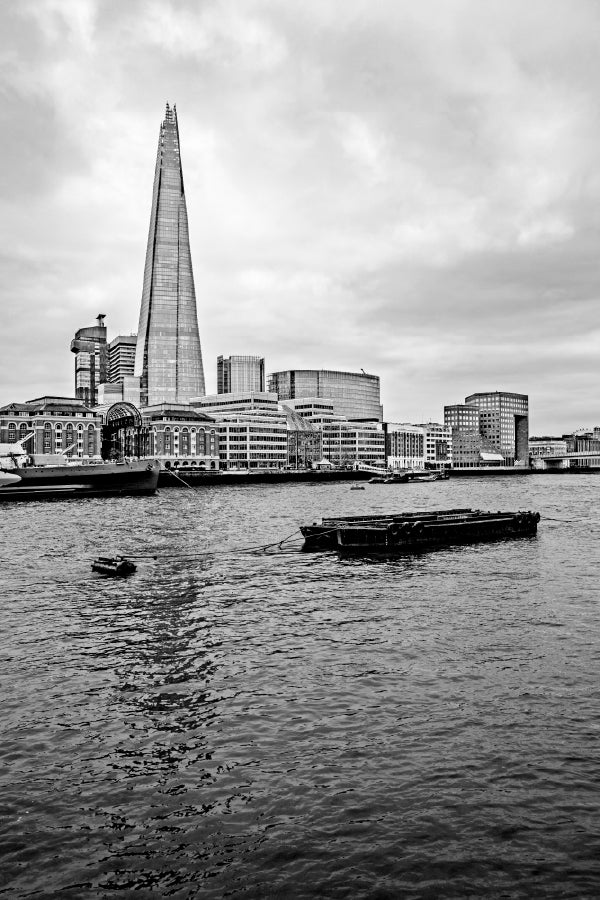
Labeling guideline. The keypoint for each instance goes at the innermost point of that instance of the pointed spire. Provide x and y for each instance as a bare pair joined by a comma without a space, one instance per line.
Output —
168,355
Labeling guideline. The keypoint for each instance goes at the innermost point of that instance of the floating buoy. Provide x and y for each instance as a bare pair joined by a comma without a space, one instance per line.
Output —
113,565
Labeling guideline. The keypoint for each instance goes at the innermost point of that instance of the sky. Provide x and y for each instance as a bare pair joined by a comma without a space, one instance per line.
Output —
407,188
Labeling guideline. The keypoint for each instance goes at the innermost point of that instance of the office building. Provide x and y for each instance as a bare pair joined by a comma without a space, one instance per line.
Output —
346,444
438,445
240,373
504,424
354,395
405,446
462,417
467,442
121,357
91,361
168,358
252,429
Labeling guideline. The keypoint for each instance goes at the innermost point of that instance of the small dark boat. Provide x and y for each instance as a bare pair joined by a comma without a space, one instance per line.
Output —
413,531
113,565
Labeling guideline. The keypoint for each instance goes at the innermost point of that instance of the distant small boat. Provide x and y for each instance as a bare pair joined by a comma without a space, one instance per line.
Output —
357,487
113,565
412,531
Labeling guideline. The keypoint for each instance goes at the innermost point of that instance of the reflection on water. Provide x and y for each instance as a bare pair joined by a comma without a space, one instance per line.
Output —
299,725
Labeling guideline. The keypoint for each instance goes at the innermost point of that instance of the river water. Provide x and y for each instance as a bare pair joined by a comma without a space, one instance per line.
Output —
286,725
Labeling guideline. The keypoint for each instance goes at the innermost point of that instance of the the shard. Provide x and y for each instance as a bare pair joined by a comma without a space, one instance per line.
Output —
168,357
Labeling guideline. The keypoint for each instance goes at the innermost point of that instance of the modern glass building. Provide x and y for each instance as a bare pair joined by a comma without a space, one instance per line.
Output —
168,357
240,373
354,395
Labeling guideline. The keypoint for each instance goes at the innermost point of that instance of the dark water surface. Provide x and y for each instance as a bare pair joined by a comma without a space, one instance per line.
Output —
294,725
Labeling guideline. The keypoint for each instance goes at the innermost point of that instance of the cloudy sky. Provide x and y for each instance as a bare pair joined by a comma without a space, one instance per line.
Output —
410,188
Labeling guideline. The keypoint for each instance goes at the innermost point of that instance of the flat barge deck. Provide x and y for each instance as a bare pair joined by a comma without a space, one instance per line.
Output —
408,532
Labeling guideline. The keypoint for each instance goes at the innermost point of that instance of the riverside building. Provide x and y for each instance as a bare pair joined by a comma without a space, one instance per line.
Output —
253,432
355,395
168,358
405,446
56,425
467,444
504,424
179,436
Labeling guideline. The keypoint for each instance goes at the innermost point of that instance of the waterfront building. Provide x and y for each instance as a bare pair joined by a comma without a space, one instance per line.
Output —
467,443
55,425
168,358
540,447
237,374
355,395
91,360
438,445
346,444
252,428
504,423
405,446
252,442
582,442
304,440
121,357
180,436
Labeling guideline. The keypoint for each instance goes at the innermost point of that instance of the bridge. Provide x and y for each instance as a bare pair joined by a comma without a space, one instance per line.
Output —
589,459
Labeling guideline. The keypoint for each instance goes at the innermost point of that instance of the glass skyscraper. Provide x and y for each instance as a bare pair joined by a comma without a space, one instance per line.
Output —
168,359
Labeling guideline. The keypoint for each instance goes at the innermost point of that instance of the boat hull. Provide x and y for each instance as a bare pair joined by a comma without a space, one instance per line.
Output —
83,480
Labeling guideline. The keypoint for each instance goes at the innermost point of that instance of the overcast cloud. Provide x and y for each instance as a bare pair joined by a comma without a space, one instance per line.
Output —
408,188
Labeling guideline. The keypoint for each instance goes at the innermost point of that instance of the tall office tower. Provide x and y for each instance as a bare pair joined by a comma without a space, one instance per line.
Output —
504,421
91,361
121,357
240,373
168,359
354,395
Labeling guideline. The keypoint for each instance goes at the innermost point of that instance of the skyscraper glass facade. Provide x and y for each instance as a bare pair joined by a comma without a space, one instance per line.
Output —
240,373
354,395
168,357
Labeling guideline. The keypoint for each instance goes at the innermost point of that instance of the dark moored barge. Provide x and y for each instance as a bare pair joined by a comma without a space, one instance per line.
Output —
413,531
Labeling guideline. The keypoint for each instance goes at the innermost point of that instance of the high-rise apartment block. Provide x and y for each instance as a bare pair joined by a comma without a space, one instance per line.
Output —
91,361
354,395
168,356
121,357
236,374
504,423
